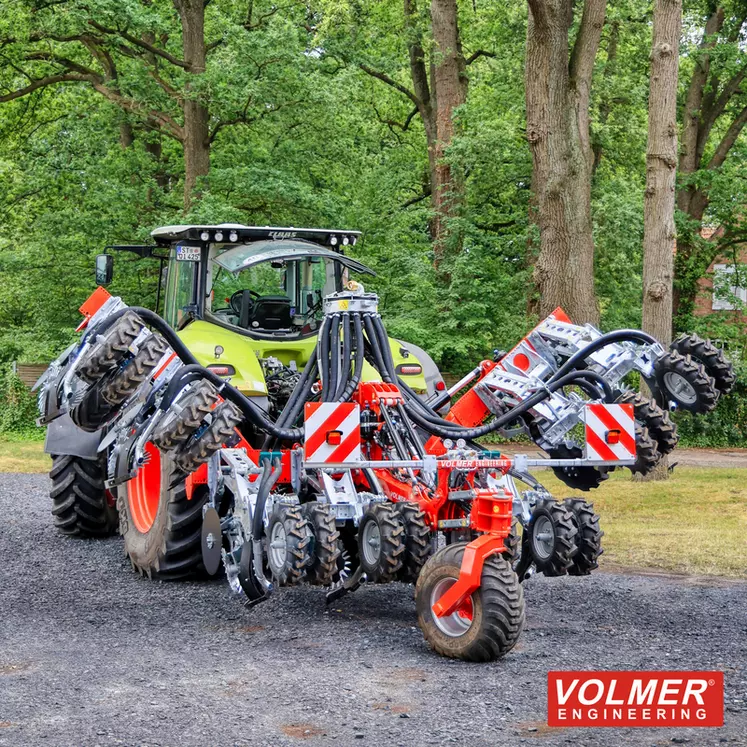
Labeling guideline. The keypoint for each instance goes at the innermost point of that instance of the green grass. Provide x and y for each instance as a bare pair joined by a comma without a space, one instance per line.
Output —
695,522
23,456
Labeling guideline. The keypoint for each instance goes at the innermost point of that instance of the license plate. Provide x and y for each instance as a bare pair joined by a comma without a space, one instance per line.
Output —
188,253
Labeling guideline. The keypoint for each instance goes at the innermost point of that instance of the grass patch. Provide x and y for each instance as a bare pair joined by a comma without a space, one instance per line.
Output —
23,456
695,522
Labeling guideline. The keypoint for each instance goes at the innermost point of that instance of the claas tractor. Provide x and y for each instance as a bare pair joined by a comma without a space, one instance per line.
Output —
343,466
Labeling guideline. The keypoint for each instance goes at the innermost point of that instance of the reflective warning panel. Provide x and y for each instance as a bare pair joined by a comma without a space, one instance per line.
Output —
332,432
610,433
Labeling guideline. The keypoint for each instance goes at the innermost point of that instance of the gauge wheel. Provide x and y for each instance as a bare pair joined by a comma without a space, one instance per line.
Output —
704,351
381,542
488,623
588,539
417,540
660,425
683,380
288,544
552,537
326,550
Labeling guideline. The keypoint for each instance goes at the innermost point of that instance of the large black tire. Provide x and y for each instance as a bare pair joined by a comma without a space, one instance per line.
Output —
220,431
647,453
589,537
80,504
170,548
552,537
683,380
176,428
111,347
417,540
326,550
705,352
660,426
497,608
288,564
381,542
101,402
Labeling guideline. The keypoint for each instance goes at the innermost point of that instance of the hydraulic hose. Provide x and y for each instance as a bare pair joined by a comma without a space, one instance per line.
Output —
360,343
323,357
347,346
267,482
334,358
621,335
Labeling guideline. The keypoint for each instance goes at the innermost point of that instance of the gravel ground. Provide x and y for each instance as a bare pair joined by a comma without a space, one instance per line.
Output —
90,653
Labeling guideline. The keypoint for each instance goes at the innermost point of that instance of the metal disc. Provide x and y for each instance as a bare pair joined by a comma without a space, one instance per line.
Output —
211,541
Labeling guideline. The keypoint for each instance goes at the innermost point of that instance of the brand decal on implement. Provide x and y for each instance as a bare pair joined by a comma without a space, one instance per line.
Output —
635,698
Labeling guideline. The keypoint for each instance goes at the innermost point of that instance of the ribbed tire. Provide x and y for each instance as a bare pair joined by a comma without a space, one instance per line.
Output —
287,521
701,394
552,537
104,398
220,431
171,548
704,351
496,608
326,550
589,537
647,453
80,504
381,542
176,427
111,348
512,543
660,426
417,540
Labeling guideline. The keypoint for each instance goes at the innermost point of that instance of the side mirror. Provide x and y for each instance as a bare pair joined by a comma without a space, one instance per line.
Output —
104,269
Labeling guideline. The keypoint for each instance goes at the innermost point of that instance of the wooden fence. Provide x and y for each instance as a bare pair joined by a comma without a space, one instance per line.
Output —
28,373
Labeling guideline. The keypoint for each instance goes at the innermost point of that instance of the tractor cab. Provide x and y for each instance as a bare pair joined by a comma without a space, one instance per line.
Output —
248,301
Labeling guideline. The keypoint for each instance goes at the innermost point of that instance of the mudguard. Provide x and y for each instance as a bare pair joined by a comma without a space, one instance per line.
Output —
64,437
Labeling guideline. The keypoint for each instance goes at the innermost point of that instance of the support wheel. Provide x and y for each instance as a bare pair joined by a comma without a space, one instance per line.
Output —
576,478
288,544
417,540
162,528
488,624
705,352
381,542
176,428
588,539
683,380
512,543
552,537
647,454
660,426
111,347
80,504
326,550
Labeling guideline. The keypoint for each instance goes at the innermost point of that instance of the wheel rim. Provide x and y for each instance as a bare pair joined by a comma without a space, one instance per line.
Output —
679,387
277,550
458,622
543,537
144,490
371,543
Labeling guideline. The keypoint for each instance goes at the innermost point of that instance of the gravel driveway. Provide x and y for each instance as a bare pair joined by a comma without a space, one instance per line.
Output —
90,653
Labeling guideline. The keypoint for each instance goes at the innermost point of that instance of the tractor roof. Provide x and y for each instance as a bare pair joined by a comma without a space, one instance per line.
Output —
234,233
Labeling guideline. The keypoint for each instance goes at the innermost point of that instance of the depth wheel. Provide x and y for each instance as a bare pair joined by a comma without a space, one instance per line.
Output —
647,453
162,528
80,504
326,551
176,428
381,542
488,624
576,478
588,539
512,543
288,544
111,347
417,540
683,380
660,426
714,360
552,537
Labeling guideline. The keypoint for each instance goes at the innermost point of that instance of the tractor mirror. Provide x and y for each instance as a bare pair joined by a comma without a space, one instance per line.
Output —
104,269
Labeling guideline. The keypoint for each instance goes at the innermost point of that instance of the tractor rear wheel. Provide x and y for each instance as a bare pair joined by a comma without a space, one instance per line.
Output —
80,503
487,625
161,526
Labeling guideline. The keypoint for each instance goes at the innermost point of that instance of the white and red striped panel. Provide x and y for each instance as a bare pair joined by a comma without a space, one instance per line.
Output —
610,433
332,432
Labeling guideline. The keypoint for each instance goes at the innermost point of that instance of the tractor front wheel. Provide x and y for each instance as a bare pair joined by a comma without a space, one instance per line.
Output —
487,625
161,526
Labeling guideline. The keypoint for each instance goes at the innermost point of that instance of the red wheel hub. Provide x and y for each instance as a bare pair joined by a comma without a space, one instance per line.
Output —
144,490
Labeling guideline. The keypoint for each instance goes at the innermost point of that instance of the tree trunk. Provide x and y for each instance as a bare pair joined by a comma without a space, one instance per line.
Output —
661,170
557,101
196,115
450,88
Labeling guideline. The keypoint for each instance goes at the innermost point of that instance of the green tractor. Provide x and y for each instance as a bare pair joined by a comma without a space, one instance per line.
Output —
247,302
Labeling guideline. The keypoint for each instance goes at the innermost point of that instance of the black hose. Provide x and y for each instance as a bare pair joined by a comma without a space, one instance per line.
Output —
334,358
620,335
360,346
347,346
323,356
266,483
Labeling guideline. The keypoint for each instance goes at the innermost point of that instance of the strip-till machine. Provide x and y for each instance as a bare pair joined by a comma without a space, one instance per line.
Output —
365,480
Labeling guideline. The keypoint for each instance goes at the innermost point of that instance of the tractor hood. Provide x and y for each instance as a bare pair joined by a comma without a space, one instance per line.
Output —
247,255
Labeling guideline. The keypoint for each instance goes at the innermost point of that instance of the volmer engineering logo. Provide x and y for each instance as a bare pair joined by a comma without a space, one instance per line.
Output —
635,699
